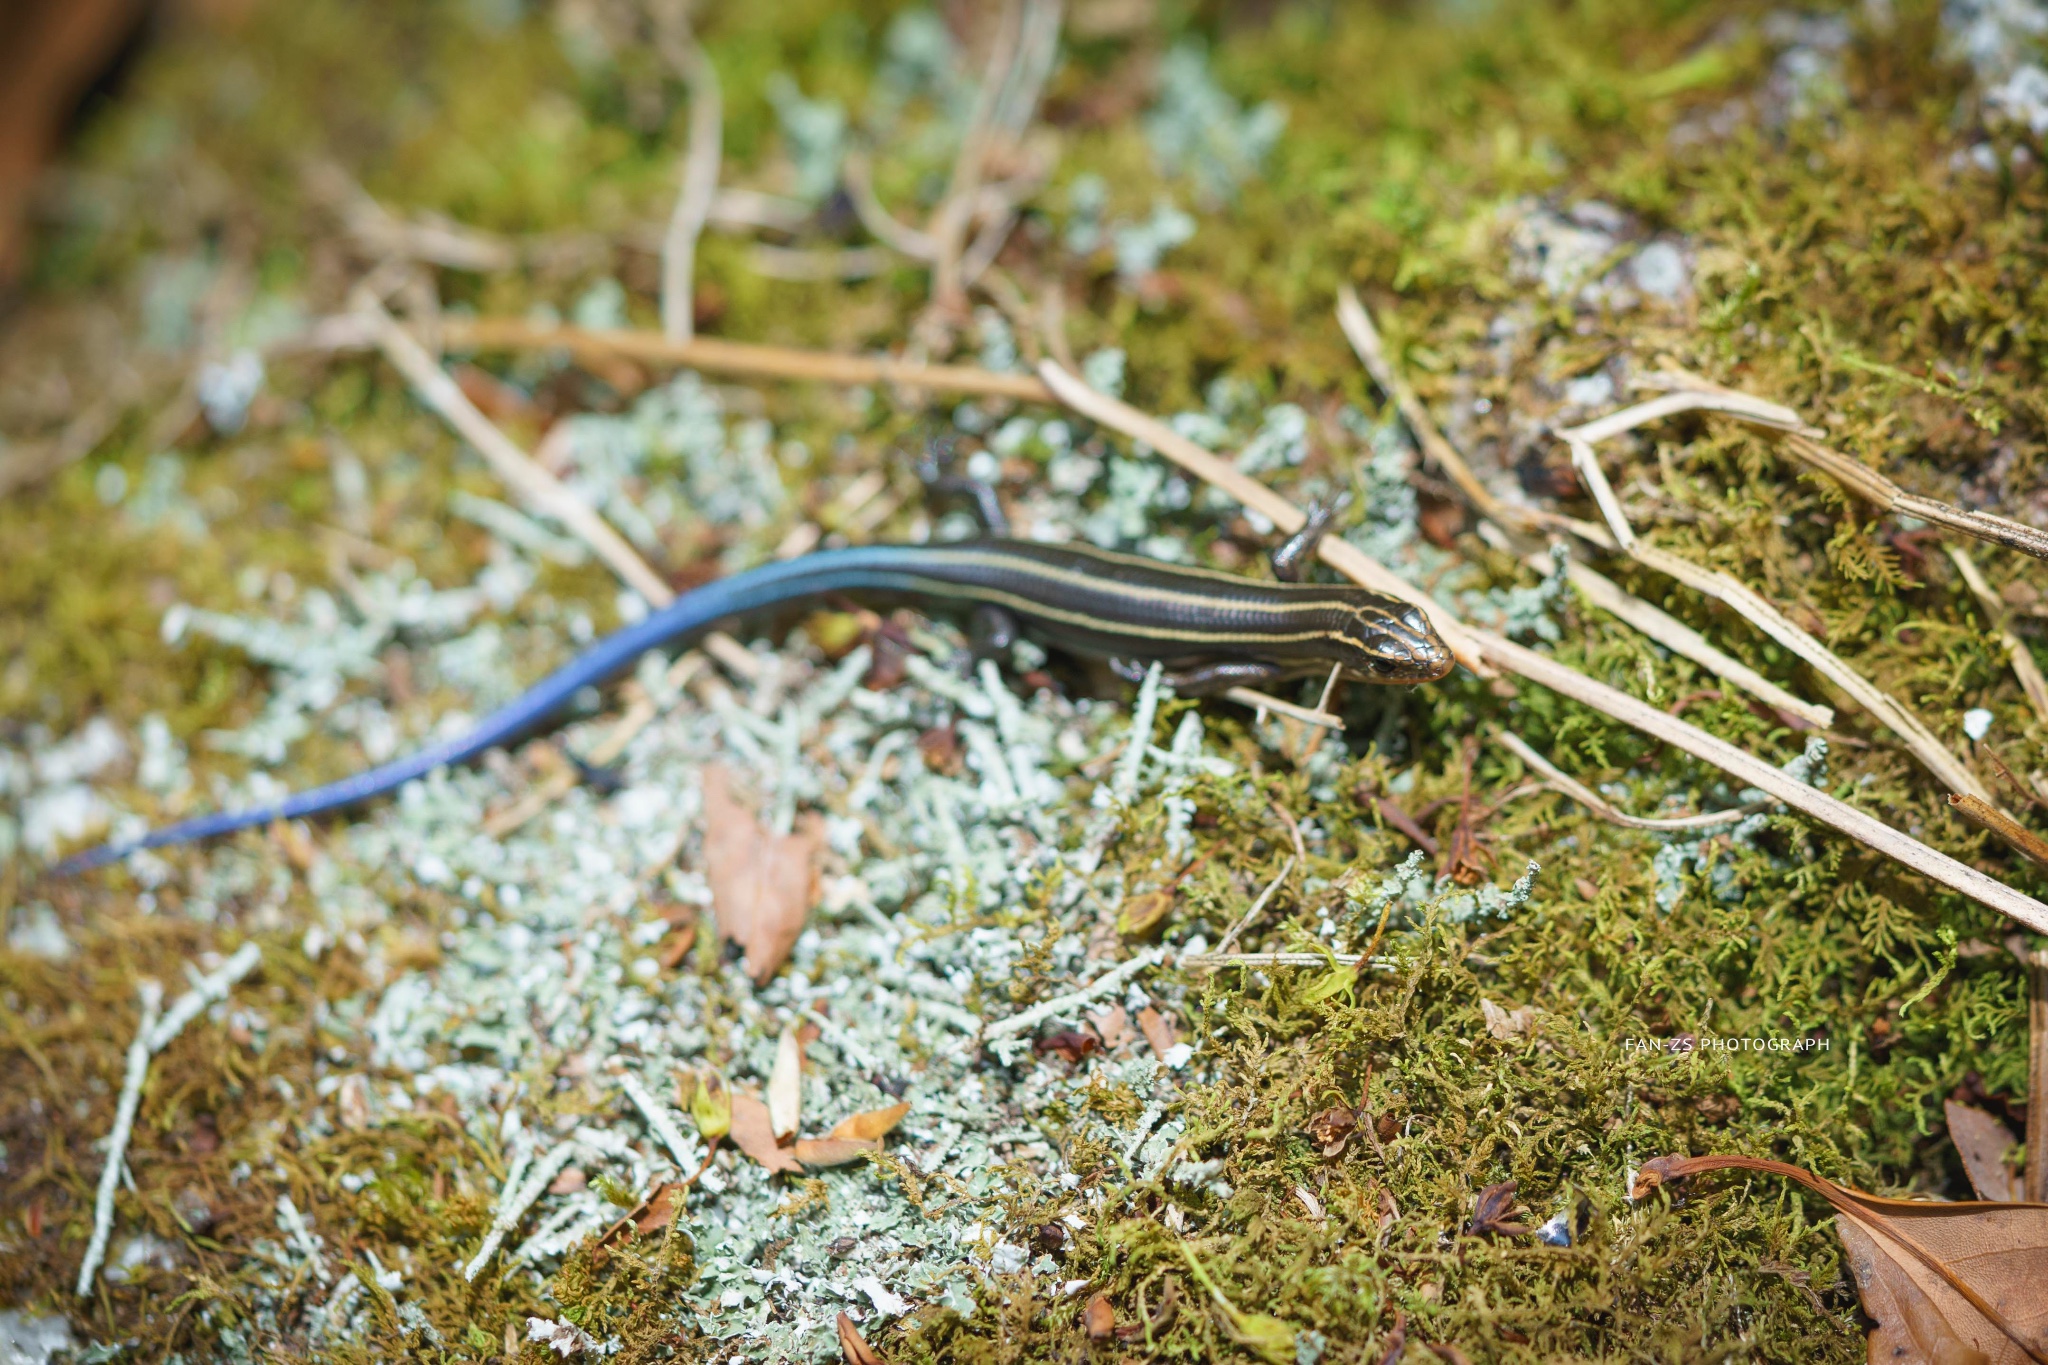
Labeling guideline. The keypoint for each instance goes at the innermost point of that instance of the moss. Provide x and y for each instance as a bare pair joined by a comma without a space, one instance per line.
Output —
1841,263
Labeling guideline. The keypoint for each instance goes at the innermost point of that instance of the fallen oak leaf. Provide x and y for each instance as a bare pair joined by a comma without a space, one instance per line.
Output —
870,1125
1944,1282
753,1132
1981,1140
763,884
1099,1318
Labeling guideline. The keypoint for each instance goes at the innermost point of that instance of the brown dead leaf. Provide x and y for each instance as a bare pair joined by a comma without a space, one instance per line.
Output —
1071,1044
1158,1031
1490,1213
871,1125
1508,1024
1100,1318
1112,1025
754,1133
854,1348
676,946
762,884
1333,1128
1982,1139
1944,1282
833,1151
652,1214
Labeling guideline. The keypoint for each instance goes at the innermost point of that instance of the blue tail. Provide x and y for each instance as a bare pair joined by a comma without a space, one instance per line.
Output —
869,568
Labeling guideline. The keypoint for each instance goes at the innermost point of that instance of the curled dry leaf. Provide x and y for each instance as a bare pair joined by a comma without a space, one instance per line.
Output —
1508,1024
1099,1318
853,1347
1944,1282
1490,1213
754,1133
1333,1127
786,1086
871,1125
763,884
1982,1140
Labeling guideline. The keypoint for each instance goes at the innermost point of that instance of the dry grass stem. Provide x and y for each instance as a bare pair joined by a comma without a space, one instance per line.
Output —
1748,603
739,358
700,181
1245,921
1496,652
1803,443
1364,337
821,263
1212,961
1682,640
1557,781
1659,625
1985,816
1307,715
2023,665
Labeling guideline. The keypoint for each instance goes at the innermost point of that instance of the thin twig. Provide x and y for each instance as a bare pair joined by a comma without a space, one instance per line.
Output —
700,182
1365,340
1491,651
733,357
1212,961
1803,443
540,490
1109,982
1559,782
874,215
1660,626
1257,905
948,230
1261,701
1751,605
1990,818
1682,640
2023,665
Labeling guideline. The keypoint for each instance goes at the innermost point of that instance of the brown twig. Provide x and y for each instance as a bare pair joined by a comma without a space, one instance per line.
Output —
735,357
2037,1076
2023,665
1492,652
1985,816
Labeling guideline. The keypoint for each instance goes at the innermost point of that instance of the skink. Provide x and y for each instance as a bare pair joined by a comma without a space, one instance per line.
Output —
1214,629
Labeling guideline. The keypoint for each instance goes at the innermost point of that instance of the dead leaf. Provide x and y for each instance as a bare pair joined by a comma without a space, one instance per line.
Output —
833,1151
870,1125
1982,1139
762,884
651,1214
786,1086
754,1133
1099,1318
1158,1031
1071,1044
1490,1213
1508,1024
1333,1128
1944,1282
1311,1203
569,1181
1112,1025
676,946
854,1348
1144,913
